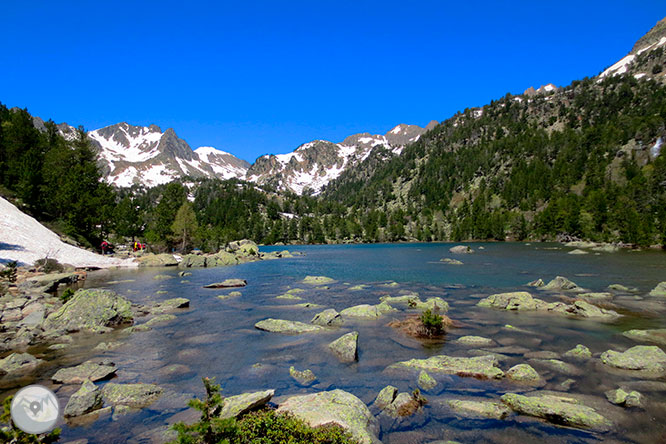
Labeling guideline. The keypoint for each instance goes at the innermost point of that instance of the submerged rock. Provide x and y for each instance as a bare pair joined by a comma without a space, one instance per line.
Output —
558,410
621,397
659,290
238,405
18,363
335,407
524,373
327,318
318,280
228,283
132,395
577,251
91,309
285,326
482,367
345,347
461,249
403,405
449,261
385,397
475,341
305,377
85,400
170,305
88,371
657,335
559,366
586,310
648,358
596,297
579,352
485,409
425,381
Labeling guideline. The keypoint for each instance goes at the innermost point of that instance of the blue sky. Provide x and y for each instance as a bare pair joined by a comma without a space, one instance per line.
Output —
264,77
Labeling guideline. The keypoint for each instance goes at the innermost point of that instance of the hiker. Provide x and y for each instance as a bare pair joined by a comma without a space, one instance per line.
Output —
105,245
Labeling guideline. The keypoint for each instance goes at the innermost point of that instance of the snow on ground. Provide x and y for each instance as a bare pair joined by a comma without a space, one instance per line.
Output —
25,240
620,67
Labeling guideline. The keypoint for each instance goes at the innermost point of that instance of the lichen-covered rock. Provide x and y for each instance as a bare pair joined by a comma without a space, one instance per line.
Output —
623,398
449,261
579,352
385,397
558,410
132,395
287,327
49,282
18,363
305,377
425,381
524,373
474,341
88,371
235,406
193,261
434,303
659,290
535,283
648,358
221,259
559,366
484,409
228,283
596,297
517,300
91,309
482,367
403,405
289,296
657,335
586,310
327,318
366,311
85,400
561,283
170,305
318,280
335,407
461,249
345,347
160,319
157,260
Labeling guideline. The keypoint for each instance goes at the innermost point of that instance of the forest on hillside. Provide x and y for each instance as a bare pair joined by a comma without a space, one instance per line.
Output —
584,162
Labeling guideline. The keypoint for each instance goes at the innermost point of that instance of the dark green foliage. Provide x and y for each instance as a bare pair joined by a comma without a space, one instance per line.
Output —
48,265
261,427
432,323
66,295
9,272
13,435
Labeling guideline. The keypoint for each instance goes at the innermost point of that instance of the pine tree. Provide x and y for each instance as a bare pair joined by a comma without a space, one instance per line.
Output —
185,225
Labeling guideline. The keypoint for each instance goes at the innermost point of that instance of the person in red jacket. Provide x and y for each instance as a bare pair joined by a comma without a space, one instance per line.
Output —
105,246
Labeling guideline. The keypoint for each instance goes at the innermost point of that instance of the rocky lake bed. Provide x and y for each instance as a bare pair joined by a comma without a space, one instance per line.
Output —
544,345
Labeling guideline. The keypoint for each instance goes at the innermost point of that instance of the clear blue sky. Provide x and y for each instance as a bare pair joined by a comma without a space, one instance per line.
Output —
263,77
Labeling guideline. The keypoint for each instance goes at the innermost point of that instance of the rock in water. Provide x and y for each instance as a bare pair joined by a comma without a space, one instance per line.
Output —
474,341
461,249
659,290
482,367
132,395
648,358
335,407
327,318
94,310
561,283
484,409
657,335
365,311
517,300
318,280
240,404
88,371
579,352
386,397
287,327
170,305
18,363
345,347
228,283
425,381
524,373
620,397
85,400
558,410
157,260
305,377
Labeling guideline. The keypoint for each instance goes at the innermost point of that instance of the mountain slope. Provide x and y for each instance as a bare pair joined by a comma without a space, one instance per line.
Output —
314,164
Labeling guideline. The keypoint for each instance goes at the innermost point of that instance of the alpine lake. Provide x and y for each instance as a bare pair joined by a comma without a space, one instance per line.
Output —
216,337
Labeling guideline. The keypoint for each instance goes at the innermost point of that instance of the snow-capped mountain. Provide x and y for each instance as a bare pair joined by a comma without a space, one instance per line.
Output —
314,164
130,154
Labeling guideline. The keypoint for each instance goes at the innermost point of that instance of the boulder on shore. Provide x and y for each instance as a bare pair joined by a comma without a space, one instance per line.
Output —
481,367
91,309
345,347
48,283
558,410
287,327
335,407
157,260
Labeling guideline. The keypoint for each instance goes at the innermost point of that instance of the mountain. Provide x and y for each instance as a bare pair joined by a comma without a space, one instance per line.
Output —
314,164
136,154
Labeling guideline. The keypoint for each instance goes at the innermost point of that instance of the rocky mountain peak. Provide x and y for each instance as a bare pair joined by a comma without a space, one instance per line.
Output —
653,37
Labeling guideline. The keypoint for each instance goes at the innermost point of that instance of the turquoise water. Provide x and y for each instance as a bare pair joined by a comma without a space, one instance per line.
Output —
216,338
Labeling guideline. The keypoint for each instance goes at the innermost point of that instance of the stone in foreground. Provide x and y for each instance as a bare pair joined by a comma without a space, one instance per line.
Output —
132,395
385,397
648,358
335,407
558,410
485,409
481,367
89,370
345,347
235,406
85,400
287,327
327,318
94,310
228,283
18,363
